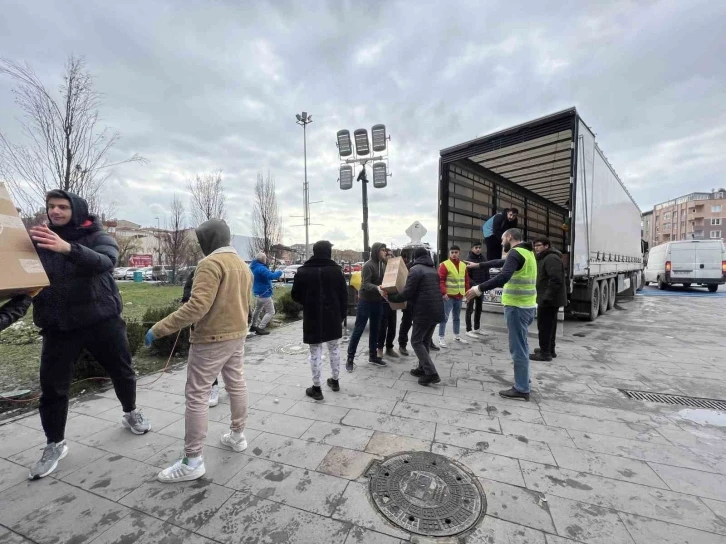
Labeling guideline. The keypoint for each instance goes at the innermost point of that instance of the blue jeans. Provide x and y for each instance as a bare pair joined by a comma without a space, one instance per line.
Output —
364,312
449,305
518,322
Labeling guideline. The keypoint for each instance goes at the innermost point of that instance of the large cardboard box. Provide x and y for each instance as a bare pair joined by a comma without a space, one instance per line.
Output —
394,280
20,268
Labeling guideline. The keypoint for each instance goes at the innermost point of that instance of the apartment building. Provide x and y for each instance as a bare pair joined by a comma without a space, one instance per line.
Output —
697,216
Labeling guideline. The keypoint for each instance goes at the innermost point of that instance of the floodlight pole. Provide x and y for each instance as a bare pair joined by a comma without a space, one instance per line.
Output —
364,184
304,120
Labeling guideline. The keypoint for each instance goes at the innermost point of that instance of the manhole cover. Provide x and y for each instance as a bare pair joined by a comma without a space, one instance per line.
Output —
426,494
293,349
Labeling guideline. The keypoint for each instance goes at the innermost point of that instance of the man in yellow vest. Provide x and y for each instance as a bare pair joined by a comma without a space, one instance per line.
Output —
518,277
453,282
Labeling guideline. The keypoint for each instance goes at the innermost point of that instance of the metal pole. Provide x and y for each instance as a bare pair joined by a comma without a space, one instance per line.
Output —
306,197
366,247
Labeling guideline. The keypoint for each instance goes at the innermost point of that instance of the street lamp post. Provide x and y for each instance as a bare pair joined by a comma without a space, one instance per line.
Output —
304,119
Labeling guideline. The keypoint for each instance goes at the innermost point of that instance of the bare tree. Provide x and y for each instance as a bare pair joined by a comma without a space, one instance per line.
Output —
127,245
66,148
207,197
266,220
175,241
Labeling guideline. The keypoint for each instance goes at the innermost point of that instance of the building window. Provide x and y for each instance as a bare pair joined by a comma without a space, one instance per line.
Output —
667,215
716,221
657,230
716,209
715,234
683,236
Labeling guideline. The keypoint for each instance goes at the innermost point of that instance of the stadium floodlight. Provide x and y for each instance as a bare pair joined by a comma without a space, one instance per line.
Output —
378,135
298,117
346,177
380,175
362,147
304,115
345,148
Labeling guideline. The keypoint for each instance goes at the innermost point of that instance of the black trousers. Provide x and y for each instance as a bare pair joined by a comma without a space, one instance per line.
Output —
387,329
470,308
494,247
421,344
108,344
547,328
406,322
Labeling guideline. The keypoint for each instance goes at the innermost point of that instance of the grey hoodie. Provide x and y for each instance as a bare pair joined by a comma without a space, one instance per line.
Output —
372,276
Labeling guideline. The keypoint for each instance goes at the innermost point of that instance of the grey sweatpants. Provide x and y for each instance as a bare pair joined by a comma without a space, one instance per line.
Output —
316,360
264,310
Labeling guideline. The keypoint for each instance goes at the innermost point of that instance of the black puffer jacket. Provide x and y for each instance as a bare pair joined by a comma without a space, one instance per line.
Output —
422,291
320,287
372,276
82,291
551,288
476,275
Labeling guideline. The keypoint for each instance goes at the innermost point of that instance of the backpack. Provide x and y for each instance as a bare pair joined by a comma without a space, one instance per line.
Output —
488,227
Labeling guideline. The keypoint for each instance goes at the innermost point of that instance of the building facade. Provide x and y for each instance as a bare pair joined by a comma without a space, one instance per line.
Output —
696,216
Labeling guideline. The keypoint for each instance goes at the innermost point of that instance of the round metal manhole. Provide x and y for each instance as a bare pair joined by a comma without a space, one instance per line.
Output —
293,349
426,494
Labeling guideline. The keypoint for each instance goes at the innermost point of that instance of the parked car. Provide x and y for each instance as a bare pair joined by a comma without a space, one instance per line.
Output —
130,273
183,273
148,273
289,273
281,269
120,273
160,273
687,262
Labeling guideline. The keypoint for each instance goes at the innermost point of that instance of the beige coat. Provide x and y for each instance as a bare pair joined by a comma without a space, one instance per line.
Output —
220,301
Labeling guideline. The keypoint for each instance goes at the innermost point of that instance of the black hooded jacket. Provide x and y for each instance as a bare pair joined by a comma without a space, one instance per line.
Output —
320,287
551,287
422,292
14,309
476,275
372,276
82,290
501,224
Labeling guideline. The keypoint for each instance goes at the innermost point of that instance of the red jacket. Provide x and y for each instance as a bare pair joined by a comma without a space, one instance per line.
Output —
443,273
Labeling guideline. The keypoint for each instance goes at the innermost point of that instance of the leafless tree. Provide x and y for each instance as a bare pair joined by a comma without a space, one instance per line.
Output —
175,241
266,220
207,197
66,148
127,245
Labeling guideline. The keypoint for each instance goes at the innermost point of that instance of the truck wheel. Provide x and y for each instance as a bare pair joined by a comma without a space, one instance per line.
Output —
594,302
686,285
712,288
612,290
642,280
604,296
662,285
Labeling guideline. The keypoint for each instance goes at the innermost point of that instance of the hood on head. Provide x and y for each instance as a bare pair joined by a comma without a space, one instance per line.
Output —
323,250
212,235
375,249
420,252
425,260
78,205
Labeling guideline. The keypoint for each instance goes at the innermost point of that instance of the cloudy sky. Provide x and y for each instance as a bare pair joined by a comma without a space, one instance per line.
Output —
205,85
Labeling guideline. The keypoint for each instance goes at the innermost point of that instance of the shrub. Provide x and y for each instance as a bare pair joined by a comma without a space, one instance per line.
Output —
20,334
135,332
88,367
163,346
288,306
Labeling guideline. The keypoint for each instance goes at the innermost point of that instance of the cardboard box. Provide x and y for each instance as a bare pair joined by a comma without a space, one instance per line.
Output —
394,280
21,270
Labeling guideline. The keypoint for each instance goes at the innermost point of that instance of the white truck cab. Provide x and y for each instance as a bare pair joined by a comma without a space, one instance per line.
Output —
687,262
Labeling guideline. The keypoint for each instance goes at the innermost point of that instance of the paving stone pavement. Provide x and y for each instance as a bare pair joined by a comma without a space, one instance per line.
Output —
579,463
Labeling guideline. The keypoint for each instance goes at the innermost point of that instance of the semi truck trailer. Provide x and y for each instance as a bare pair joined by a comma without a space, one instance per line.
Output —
552,170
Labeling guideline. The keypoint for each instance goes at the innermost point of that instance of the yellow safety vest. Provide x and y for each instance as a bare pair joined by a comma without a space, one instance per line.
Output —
455,279
521,289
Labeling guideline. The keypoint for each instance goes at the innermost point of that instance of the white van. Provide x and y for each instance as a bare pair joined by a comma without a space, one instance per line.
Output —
687,262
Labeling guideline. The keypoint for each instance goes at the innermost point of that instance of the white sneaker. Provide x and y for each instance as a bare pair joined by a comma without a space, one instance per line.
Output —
237,444
472,334
479,332
442,342
214,396
181,472
460,339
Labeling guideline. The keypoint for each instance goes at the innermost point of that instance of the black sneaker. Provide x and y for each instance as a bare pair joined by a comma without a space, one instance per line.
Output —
390,352
554,353
375,360
262,332
403,351
314,392
540,357
429,379
514,394
334,384
417,372
434,347
350,365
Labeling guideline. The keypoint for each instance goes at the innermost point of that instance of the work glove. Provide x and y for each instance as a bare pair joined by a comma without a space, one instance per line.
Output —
149,338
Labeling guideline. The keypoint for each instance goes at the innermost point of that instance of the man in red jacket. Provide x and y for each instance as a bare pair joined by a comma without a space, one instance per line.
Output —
453,283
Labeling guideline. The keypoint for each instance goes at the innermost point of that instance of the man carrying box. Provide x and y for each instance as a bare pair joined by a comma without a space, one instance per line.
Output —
387,332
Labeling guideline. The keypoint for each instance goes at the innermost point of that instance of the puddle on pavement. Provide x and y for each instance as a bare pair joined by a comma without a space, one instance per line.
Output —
704,417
